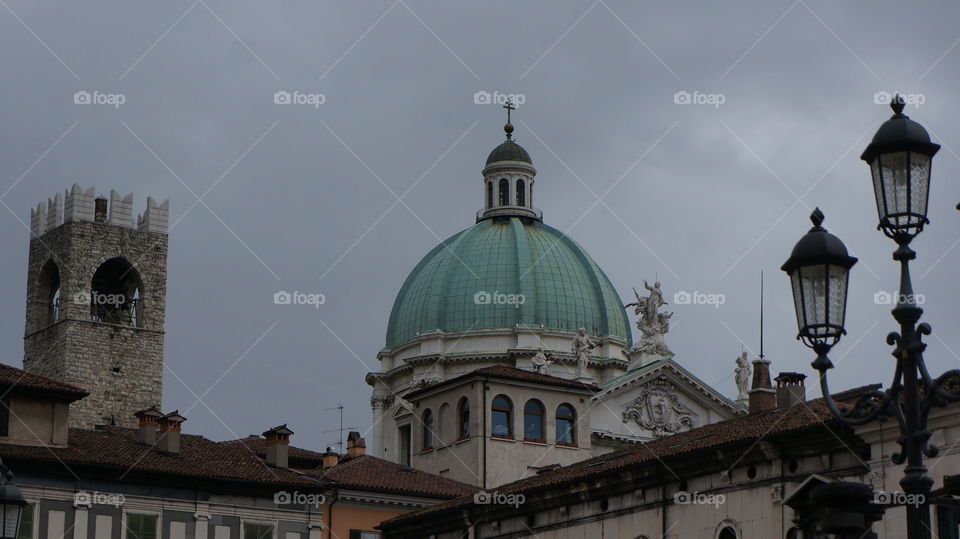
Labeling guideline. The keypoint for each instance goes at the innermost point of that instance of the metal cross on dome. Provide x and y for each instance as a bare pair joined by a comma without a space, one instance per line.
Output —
508,128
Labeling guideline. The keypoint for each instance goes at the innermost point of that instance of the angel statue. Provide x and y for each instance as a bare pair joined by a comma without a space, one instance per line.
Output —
647,307
653,325
541,363
582,344
742,373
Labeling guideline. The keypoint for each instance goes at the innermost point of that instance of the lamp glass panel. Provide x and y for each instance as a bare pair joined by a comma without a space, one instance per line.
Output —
10,517
919,182
837,302
896,186
814,286
797,298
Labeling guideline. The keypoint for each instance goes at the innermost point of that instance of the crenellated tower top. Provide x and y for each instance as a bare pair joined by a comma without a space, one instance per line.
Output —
78,205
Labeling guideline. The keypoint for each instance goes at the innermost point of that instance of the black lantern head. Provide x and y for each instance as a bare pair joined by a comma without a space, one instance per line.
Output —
11,504
900,156
819,268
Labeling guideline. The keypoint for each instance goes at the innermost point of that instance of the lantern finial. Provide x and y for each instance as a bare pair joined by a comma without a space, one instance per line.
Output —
897,104
816,217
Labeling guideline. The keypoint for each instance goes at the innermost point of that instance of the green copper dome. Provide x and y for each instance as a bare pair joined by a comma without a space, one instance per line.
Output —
509,151
467,281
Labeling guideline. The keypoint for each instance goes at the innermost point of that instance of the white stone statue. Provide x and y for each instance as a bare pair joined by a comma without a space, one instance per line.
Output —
582,344
653,325
541,363
743,372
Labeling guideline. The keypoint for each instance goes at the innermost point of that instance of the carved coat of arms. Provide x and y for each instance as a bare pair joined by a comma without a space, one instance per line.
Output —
659,410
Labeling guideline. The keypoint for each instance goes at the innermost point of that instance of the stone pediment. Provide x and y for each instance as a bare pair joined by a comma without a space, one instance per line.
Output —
657,400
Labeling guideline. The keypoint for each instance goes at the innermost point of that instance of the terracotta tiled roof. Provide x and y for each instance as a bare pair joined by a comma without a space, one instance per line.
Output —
119,447
298,455
12,377
374,474
510,373
739,429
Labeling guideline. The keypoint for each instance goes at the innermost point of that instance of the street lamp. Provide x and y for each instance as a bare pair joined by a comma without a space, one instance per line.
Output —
11,504
900,157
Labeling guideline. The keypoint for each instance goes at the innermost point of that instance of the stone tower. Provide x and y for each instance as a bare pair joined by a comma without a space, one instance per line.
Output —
96,295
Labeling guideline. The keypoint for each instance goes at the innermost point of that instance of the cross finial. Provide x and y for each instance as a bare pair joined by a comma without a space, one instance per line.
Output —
508,127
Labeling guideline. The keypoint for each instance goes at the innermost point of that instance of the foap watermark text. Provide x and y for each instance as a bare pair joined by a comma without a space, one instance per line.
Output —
499,298
684,97
698,298
298,298
499,498
484,97
97,97
283,497
298,98
699,498
85,497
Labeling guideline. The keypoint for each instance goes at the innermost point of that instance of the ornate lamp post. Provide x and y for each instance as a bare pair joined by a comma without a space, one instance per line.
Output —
899,156
11,504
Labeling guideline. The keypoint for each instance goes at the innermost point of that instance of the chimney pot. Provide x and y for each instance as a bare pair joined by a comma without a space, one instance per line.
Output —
357,447
278,446
762,395
170,433
790,389
147,421
330,459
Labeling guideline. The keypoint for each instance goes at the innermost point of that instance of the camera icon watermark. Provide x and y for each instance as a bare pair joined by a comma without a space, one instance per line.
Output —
698,298
499,498
283,497
885,98
98,298
698,498
890,298
484,97
498,298
684,97
881,497
89,499
96,97
298,98
296,297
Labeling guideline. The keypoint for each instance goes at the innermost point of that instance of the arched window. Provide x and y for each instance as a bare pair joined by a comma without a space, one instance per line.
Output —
427,429
489,195
533,421
49,292
504,192
566,422
521,193
463,419
727,533
115,293
501,421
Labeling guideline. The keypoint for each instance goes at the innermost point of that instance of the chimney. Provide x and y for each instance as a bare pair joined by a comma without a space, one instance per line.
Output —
278,445
147,421
100,209
356,446
330,459
790,390
170,433
762,395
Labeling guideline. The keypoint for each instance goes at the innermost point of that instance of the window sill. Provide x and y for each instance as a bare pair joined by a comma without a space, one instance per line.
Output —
532,441
502,438
425,450
462,440
566,445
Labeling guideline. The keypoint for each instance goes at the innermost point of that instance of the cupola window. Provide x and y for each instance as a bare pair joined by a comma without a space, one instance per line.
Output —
521,193
504,192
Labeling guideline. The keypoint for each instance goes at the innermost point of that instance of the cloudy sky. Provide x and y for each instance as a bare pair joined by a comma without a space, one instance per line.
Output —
343,198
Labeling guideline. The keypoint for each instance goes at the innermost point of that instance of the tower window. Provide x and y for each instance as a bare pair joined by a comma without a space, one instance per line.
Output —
501,420
533,421
427,429
115,294
489,195
566,422
49,295
405,445
521,193
463,419
504,192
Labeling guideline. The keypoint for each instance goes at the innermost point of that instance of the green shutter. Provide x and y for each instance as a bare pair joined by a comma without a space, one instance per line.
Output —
26,522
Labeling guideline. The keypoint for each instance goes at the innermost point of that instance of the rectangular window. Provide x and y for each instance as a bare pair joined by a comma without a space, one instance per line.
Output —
5,416
406,445
257,531
360,534
26,522
141,526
